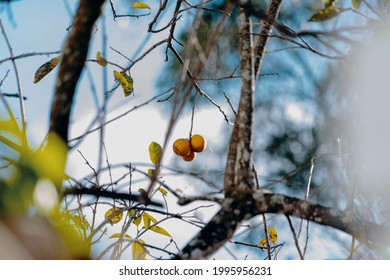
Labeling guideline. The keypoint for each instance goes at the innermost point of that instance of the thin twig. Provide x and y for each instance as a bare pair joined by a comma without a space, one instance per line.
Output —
295,237
12,95
266,236
26,55
197,87
192,115
115,15
18,82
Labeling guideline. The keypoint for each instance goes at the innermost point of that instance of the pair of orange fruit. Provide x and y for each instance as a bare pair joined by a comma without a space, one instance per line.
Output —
187,149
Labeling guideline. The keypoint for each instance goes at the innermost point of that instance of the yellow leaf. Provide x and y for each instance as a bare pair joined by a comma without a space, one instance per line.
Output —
325,14
151,172
155,151
137,218
147,219
273,235
10,126
330,3
125,81
80,222
356,4
140,5
163,191
160,230
263,242
45,68
117,235
101,60
138,250
114,215
50,159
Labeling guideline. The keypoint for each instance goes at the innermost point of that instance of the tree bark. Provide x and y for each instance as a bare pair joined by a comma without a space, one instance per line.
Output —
239,175
73,58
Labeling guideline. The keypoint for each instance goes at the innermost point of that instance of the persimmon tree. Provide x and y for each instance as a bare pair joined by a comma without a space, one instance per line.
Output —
105,207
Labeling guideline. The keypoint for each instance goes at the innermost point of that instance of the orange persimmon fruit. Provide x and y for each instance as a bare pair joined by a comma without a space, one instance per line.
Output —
182,147
189,157
198,143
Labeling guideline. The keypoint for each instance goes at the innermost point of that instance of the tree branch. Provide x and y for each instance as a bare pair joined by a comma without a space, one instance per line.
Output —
72,63
108,194
234,211
239,175
265,31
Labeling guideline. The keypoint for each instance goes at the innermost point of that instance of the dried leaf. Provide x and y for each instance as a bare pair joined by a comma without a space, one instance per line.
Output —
138,250
140,5
160,230
155,151
45,68
326,14
114,215
101,60
125,81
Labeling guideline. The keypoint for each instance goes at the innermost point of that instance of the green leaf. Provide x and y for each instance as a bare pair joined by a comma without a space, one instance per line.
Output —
125,81
140,5
356,4
325,14
160,230
155,151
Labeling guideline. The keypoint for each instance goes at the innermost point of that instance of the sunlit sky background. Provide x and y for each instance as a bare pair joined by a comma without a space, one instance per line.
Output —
40,26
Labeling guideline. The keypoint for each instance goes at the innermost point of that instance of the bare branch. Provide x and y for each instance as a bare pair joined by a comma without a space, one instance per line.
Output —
96,192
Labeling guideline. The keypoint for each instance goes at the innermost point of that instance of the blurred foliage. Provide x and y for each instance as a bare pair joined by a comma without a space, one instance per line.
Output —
30,184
